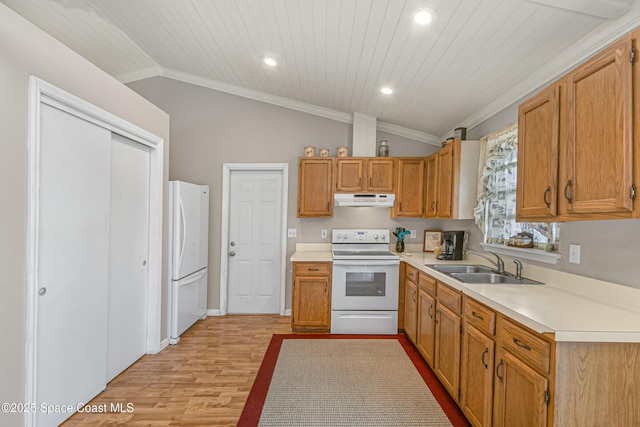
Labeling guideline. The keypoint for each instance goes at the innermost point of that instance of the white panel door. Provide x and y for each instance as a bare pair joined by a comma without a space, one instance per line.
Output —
72,262
128,255
254,242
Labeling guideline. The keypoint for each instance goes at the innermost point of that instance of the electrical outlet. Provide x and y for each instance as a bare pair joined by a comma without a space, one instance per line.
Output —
323,234
413,234
292,232
574,254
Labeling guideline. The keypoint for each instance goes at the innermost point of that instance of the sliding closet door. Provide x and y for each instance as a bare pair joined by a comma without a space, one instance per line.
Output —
129,249
72,261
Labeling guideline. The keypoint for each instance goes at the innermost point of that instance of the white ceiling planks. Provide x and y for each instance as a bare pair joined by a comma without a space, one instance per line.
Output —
336,54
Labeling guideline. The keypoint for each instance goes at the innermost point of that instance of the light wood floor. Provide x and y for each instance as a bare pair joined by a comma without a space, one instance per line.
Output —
202,381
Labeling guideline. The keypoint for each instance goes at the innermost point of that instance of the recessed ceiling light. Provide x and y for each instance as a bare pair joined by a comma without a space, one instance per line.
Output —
424,16
269,61
386,90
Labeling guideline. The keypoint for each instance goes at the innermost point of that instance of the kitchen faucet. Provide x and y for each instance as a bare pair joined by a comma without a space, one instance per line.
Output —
499,264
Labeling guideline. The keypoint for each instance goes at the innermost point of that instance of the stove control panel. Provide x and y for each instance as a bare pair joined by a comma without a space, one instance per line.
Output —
360,236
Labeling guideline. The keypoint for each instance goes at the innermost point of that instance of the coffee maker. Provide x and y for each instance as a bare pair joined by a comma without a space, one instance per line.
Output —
452,242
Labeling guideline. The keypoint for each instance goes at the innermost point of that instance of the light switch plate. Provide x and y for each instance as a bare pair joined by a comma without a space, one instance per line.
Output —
292,232
574,254
323,234
413,234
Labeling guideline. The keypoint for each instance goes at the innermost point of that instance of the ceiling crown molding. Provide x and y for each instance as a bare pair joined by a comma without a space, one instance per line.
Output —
280,101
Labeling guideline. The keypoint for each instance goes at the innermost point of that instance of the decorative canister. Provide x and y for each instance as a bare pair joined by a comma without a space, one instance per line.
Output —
383,149
309,151
343,151
324,152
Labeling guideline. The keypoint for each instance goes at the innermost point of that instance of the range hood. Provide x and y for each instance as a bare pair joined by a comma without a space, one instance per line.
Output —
365,200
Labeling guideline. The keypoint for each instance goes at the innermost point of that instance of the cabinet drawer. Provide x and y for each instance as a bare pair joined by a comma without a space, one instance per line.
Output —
480,316
449,297
525,345
427,283
412,274
311,268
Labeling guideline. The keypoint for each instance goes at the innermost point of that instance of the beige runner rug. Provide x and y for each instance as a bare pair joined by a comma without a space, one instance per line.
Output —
348,382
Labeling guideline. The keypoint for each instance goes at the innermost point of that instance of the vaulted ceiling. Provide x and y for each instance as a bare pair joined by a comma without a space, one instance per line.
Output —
334,55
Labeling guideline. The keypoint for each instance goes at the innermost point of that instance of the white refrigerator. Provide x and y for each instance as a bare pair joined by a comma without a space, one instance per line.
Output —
188,254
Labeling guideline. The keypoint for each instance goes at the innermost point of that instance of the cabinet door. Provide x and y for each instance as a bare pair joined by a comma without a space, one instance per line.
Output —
431,186
380,175
410,192
349,174
315,188
476,379
426,334
599,160
311,307
444,207
411,310
520,393
538,136
447,360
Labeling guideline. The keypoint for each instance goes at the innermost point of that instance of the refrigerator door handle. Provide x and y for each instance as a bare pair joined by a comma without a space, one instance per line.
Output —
195,277
183,222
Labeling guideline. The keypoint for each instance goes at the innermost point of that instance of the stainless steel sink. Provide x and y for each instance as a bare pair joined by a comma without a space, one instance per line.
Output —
492,279
460,268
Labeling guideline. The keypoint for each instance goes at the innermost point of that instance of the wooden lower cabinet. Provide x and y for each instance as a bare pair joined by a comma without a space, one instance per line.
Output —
426,334
502,373
410,310
476,377
447,350
521,393
311,296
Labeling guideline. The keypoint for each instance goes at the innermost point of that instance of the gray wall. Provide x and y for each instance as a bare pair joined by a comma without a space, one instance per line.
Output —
209,128
26,50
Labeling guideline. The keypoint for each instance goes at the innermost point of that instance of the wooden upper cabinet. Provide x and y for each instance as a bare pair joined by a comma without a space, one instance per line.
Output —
349,175
358,175
451,180
410,188
538,142
431,186
315,187
380,175
444,204
598,166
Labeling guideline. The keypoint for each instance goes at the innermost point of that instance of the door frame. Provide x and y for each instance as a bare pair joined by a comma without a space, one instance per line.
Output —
227,168
42,92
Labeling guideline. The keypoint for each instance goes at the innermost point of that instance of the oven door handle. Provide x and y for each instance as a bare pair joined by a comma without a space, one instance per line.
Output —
352,262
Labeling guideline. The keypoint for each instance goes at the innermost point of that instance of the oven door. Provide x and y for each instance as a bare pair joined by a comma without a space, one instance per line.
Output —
365,284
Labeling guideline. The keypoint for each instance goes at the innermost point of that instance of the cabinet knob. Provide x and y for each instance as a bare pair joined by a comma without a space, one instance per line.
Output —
42,291
232,253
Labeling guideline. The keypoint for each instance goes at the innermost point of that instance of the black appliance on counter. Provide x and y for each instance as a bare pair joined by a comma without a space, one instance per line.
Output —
452,243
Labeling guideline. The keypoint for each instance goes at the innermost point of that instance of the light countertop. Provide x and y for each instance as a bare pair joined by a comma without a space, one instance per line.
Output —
574,308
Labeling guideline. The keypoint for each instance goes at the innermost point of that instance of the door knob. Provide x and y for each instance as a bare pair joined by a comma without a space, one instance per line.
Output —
232,253
232,243
42,291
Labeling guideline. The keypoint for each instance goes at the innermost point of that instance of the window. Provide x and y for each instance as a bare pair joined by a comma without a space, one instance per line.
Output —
495,211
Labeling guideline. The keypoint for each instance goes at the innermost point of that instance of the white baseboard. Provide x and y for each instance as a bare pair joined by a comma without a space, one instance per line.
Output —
287,312
164,344
213,312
